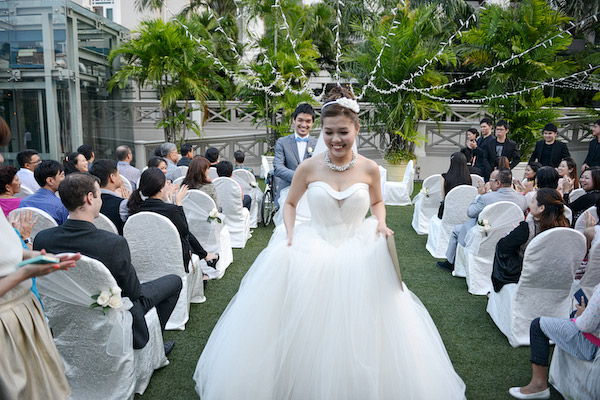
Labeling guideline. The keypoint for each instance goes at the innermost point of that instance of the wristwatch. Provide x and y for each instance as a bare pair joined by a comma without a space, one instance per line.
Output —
28,240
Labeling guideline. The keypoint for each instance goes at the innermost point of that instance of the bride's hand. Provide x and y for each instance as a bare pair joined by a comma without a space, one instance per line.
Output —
384,230
289,238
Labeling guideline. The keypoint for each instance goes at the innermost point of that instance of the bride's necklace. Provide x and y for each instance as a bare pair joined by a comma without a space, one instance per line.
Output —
340,168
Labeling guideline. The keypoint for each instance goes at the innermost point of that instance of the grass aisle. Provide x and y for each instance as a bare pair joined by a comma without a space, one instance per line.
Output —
479,351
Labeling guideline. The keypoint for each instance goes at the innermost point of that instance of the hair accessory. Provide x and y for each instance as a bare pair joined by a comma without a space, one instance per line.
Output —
345,102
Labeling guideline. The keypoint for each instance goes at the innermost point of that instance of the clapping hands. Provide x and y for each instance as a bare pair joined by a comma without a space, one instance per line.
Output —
23,222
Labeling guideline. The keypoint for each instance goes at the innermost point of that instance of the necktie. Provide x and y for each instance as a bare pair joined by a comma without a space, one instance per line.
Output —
299,139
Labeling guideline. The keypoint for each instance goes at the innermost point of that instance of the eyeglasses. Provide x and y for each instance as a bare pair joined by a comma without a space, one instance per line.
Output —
493,180
35,162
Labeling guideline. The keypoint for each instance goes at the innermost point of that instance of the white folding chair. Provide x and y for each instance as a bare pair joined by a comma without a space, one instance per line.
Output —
475,260
212,173
574,378
427,203
398,193
455,213
213,235
104,223
250,187
183,169
237,217
591,276
569,214
179,180
127,184
580,223
544,287
476,179
23,192
575,194
44,220
155,252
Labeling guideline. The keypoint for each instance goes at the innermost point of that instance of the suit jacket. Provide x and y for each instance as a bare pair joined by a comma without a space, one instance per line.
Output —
189,243
110,208
184,161
477,206
509,151
593,156
287,159
558,151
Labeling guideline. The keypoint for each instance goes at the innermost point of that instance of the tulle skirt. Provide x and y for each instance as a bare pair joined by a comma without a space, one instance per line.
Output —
323,321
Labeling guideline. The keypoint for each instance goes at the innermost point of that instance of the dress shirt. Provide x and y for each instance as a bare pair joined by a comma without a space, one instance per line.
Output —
172,171
301,145
27,179
46,200
129,172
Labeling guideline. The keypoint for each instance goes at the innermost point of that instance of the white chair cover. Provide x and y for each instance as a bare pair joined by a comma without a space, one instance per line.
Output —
150,357
383,181
574,378
502,217
23,192
455,213
212,173
398,193
575,194
580,223
475,179
44,221
569,215
250,187
88,340
427,202
264,167
591,276
178,181
544,286
302,209
127,184
183,169
155,252
104,223
213,235
237,217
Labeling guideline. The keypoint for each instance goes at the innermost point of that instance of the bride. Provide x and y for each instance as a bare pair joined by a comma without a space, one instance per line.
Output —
321,313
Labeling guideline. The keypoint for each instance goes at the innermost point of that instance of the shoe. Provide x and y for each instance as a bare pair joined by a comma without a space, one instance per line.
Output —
169,346
516,393
445,265
213,263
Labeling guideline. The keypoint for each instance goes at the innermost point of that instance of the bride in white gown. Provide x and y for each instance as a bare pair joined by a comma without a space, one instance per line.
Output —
321,313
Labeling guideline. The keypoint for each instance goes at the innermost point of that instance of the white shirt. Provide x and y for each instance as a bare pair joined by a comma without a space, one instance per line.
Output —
27,179
301,146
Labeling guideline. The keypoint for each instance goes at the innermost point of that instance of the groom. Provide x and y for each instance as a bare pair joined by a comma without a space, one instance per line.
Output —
291,150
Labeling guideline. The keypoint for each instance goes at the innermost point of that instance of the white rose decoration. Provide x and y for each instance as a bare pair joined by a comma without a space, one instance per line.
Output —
103,298
214,213
253,184
309,150
116,291
115,302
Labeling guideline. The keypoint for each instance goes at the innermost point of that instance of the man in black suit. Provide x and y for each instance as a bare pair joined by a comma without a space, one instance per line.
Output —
80,193
502,146
593,156
549,152
110,185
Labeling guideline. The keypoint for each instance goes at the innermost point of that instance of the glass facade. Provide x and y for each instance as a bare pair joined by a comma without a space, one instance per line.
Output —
54,72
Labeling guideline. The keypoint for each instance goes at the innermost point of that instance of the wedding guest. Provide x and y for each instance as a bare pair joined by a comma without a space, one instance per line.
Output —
458,174
158,162
112,192
502,146
197,178
212,155
528,183
88,153
225,168
9,186
549,152
187,153
240,157
545,177
28,160
486,125
590,182
80,194
75,162
548,211
593,156
157,192
567,167
169,152
502,162
49,174
128,171
579,337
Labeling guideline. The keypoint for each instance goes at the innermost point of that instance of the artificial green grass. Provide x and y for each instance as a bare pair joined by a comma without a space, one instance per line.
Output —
479,351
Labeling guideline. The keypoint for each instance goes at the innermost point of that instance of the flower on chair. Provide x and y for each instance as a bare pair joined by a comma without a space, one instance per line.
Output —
484,226
253,184
108,299
214,214
425,191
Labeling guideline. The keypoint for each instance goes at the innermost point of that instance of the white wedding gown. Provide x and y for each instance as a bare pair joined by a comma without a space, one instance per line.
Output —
326,319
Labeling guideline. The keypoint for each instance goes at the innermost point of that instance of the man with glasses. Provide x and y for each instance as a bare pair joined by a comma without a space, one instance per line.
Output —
28,160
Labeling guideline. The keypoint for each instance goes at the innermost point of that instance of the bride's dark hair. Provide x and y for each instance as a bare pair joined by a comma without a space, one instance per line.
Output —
333,110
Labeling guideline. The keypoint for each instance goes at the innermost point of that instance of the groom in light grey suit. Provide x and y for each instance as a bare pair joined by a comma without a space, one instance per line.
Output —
291,150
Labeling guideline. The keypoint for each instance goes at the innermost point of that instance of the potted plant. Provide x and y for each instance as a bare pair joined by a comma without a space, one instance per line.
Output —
400,151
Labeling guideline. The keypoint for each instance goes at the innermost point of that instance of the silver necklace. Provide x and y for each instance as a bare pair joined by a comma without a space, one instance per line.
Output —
340,168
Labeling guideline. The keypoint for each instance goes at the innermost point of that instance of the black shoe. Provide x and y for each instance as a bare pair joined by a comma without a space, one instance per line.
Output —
169,347
445,265
213,263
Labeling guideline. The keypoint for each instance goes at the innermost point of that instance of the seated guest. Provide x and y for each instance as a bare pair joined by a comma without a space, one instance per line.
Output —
110,186
476,162
502,146
458,174
187,153
240,157
548,211
157,192
9,186
158,162
528,182
169,152
75,162
49,174
225,169
127,171
197,178
544,177
500,184
580,338
212,155
28,160
80,193
88,153
567,167
590,182
549,152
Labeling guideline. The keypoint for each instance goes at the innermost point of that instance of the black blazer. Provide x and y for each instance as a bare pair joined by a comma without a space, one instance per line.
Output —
593,156
110,208
559,150
509,151
175,213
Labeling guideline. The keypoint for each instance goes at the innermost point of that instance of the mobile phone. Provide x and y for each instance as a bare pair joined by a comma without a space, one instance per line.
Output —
578,295
39,260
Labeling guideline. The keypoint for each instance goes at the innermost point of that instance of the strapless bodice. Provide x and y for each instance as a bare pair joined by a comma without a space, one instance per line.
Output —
334,214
